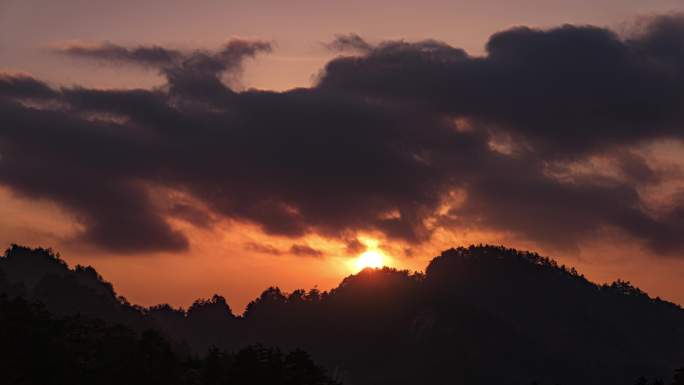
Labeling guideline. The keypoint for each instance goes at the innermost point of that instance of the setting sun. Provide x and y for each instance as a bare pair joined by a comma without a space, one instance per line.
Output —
371,258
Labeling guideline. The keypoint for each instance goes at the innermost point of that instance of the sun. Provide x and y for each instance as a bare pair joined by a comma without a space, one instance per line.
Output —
371,258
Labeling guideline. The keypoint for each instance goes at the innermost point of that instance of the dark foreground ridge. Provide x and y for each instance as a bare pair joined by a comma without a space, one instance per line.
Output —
479,315
38,348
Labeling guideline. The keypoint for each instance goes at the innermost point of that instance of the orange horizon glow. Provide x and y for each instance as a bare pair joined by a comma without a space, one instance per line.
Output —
218,263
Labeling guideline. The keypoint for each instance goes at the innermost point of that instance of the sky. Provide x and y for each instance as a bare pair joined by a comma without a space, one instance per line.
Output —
191,148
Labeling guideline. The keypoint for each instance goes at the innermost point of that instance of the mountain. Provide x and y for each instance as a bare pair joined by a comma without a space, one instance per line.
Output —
41,349
478,315
41,275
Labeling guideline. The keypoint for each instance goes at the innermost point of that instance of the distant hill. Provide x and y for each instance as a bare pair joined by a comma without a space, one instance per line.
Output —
478,315
41,275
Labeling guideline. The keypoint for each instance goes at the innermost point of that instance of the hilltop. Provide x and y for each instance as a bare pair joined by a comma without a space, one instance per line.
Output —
478,315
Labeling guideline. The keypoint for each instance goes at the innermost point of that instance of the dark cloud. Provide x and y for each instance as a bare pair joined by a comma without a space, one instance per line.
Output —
519,196
379,144
306,251
192,214
635,167
262,248
23,86
567,91
354,247
296,249
153,56
349,42
196,74
230,56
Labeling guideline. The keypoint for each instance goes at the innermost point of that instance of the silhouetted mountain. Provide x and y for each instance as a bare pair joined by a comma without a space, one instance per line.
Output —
479,315
41,275
39,349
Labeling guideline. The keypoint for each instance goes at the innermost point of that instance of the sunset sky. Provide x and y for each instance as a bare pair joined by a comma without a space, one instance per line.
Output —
186,148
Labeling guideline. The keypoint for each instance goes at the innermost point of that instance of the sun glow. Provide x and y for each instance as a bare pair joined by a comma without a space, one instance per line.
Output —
371,258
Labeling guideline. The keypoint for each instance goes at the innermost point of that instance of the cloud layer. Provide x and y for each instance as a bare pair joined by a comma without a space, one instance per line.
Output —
384,141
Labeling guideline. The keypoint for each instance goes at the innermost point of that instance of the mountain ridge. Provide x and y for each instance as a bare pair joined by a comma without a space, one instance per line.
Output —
472,309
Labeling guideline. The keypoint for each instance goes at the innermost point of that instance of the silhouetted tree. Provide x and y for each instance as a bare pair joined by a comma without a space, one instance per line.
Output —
38,348
678,377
